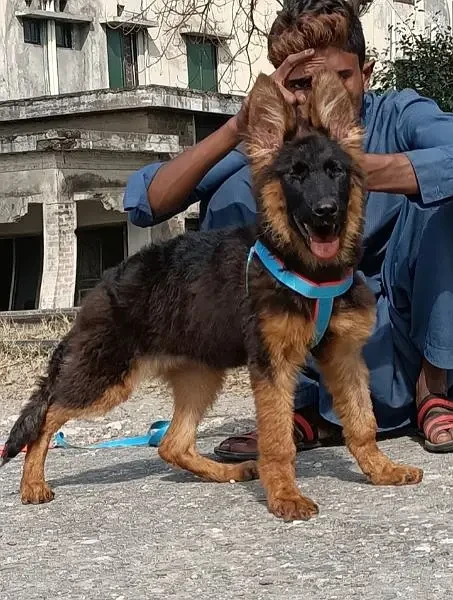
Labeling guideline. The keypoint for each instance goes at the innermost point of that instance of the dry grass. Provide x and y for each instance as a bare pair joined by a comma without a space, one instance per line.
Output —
25,348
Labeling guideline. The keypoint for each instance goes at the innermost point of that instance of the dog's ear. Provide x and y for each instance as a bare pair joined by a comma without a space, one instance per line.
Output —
269,118
332,109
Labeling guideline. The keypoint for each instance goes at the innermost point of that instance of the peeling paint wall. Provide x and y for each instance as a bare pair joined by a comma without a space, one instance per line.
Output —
22,72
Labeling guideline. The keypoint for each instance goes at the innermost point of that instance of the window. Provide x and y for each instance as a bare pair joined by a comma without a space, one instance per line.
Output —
206,123
63,35
32,31
98,249
202,64
122,58
20,272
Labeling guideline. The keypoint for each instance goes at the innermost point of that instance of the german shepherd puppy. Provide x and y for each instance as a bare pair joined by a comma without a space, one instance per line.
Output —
190,309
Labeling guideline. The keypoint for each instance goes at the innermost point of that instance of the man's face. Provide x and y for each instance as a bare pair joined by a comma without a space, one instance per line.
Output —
345,64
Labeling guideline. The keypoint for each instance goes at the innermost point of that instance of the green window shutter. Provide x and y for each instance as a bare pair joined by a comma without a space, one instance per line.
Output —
209,67
115,58
202,65
194,65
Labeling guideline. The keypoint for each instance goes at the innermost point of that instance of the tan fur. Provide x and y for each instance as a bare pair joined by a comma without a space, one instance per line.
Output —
269,118
277,452
330,108
194,390
287,339
346,377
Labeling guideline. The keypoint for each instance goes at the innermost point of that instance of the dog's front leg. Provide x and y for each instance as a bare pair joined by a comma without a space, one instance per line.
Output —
277,452
346,377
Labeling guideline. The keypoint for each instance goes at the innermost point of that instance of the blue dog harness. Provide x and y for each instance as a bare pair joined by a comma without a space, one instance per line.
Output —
323,293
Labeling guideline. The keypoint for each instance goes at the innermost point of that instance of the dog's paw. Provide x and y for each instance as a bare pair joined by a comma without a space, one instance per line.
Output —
247,471
36,493
292,507
394,474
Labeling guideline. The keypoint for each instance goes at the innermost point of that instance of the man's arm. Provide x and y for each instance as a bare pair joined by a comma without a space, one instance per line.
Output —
424,168
175,180
391,173
191,177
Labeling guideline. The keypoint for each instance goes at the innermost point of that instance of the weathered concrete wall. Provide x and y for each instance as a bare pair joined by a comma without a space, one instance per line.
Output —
29,224
94,213
58,180
85,67
22,73
25,178
112,101
23,66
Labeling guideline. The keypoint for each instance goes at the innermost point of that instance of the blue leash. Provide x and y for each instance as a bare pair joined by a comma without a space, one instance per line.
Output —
152,438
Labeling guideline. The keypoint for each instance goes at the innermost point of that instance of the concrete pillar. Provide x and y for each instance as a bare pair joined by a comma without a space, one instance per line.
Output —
60,255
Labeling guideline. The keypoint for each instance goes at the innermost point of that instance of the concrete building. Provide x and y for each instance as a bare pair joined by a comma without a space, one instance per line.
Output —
64,162
85,99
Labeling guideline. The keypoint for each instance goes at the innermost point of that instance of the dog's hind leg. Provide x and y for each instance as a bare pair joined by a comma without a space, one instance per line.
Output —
91,396
33,487
195,388
346,377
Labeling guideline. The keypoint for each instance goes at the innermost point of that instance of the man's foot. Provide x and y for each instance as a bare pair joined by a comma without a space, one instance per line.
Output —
435,422
310,431
434,409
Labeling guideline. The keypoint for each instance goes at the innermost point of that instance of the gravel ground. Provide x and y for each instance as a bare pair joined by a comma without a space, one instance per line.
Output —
124,526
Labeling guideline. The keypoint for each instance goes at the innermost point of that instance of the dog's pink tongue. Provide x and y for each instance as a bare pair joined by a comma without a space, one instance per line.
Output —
324,248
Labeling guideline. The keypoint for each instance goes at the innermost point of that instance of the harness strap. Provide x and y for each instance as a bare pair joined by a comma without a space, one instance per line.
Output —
323,293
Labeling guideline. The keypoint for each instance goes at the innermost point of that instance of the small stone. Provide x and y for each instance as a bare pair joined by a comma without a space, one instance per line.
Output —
116,425
232,481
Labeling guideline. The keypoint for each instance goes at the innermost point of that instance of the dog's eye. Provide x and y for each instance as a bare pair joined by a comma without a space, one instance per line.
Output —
299,169
333,169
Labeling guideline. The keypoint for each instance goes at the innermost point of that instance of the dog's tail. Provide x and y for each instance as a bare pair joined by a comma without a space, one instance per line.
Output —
28,426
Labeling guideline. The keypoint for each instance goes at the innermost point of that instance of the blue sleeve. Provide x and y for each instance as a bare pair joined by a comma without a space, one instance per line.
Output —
426,134
233,204
136,195
135,199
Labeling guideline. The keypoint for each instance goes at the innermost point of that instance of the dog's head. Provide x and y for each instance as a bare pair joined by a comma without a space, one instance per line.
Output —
306,170
315,176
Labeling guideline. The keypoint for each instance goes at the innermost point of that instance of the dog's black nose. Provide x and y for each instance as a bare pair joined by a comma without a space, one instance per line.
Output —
326,209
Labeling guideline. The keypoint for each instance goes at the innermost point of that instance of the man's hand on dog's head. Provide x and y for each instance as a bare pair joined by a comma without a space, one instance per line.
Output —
307,61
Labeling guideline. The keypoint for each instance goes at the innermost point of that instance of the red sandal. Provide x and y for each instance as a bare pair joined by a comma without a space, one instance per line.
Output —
434,415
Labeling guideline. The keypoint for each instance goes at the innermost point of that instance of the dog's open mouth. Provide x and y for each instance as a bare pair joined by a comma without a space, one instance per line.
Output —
323,243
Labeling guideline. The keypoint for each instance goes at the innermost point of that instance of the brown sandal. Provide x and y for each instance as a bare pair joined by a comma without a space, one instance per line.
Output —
245,447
